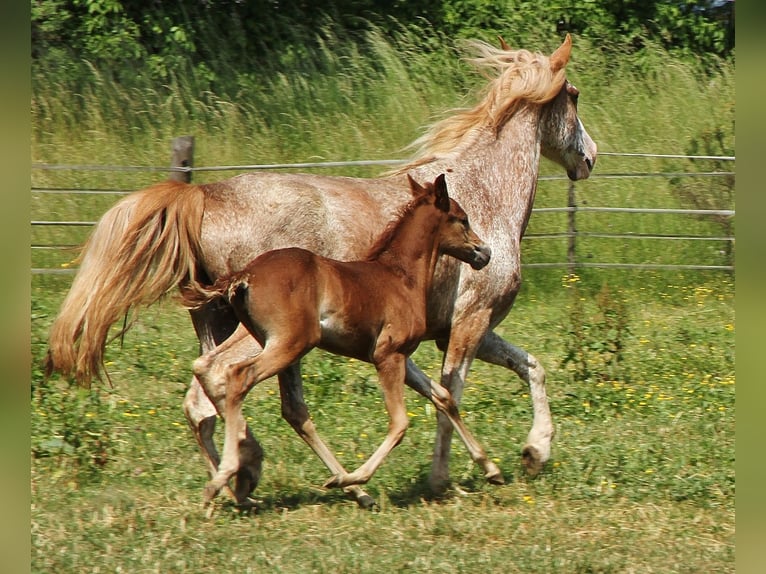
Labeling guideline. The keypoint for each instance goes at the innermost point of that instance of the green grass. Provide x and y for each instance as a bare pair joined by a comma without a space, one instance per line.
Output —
641,479
642,473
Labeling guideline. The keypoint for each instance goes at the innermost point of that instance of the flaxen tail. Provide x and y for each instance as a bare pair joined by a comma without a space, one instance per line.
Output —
142,248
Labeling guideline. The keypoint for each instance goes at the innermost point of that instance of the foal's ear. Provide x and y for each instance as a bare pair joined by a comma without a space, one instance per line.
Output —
415,188
440,191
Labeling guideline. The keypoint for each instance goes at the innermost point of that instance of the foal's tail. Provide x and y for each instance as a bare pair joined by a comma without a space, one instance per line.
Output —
196,296
141,248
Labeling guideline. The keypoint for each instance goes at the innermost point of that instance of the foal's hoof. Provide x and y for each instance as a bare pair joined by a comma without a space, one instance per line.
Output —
532,461
495,477
335,481
209,493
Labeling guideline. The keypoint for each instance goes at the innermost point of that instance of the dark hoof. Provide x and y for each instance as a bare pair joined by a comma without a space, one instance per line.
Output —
244,485
247,504
366,502
530,458
438,488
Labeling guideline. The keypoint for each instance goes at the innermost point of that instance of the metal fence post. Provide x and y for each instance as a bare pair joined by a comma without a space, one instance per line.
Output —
182,156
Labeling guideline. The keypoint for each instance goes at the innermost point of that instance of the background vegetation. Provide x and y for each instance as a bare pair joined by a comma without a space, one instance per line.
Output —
640,364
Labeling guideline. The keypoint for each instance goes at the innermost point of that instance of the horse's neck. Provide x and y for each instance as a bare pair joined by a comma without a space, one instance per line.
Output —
412,250
495,175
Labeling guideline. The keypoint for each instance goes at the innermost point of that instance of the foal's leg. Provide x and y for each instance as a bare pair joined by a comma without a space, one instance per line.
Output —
296,413
464,340
496,350
442,400
391,372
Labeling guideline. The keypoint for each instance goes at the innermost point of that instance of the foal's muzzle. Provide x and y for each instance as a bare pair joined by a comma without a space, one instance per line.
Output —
482,255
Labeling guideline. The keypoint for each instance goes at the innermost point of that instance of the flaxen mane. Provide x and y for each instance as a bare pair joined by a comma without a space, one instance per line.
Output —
523,77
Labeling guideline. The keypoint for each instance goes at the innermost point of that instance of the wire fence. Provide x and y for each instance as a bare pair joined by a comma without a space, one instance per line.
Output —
183,170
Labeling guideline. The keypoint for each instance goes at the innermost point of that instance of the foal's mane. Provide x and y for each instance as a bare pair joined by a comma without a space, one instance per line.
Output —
522,77
384,239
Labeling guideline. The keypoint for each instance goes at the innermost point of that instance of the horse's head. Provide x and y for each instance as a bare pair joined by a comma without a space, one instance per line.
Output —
455,236
563,137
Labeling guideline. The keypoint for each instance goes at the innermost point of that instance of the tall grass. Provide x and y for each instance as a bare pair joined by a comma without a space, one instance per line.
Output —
368,101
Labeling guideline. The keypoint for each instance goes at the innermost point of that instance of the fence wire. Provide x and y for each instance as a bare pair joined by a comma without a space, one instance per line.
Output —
393,162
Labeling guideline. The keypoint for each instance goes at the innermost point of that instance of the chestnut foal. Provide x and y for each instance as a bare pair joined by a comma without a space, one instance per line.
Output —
292,300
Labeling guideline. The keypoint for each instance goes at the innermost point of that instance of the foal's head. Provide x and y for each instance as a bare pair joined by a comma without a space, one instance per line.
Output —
455,236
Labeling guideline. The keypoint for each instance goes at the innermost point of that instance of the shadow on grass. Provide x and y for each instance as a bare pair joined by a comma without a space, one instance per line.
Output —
284,500
413,493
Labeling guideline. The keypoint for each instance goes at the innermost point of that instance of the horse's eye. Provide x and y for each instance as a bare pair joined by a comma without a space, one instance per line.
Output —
572,91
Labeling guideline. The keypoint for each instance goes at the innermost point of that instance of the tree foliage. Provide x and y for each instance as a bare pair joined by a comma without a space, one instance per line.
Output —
217,37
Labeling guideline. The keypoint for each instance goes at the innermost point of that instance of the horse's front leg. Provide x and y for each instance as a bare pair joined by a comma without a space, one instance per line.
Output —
213,325
464,340
537,450
442,400
201,417
296,413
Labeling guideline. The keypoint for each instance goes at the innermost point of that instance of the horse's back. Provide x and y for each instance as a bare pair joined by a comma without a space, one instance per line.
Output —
338,217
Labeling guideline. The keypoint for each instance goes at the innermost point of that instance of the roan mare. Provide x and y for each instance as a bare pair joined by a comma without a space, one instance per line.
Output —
374,310
174,234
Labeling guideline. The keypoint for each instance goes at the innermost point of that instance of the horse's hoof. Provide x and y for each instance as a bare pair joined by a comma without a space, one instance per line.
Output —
246,504
244,484
531,459
366,502
438,487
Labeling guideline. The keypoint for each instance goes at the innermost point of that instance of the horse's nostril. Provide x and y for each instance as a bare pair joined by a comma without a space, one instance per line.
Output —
589,163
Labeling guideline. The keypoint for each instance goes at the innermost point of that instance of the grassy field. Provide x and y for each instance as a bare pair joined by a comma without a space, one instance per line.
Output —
640,364
641,480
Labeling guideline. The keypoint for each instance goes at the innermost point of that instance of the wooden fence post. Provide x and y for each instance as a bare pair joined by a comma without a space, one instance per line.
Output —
182,156
571,228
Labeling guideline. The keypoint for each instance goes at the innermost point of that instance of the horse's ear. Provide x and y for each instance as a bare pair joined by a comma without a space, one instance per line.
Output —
503,44
560,57
415,188
440,191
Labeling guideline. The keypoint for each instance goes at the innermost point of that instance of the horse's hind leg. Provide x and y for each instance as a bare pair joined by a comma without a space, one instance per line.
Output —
207,395
495,350
296,413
